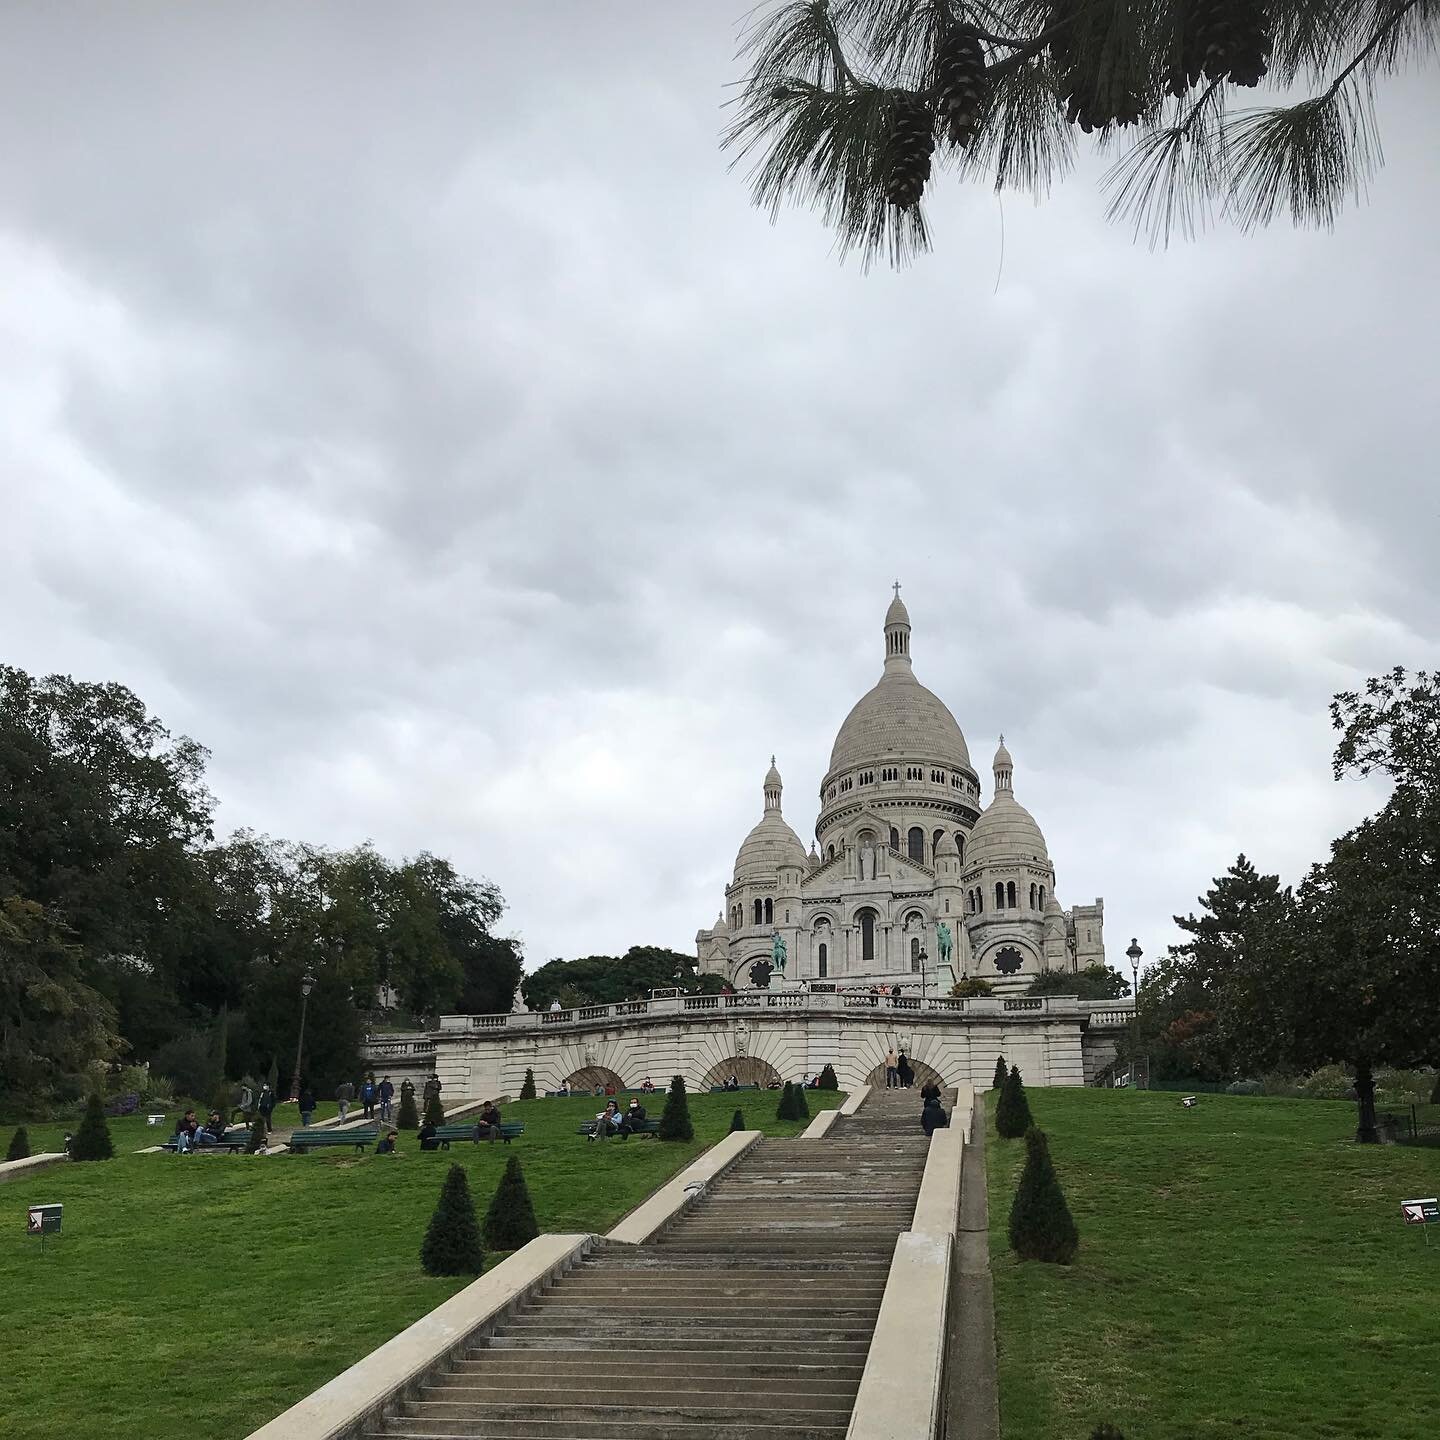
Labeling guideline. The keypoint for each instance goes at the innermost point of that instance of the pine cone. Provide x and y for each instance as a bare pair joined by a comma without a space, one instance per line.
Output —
1224,40
962,84
908,151
1091,101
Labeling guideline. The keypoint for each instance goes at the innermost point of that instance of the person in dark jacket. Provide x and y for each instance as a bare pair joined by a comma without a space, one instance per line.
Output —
307,1105
387,1144
634,1119
344,1093
266,1105
367,1097
905,1072
426,1137
212,1132
385,1093
185,1132
928,1092
933,1118
488,1125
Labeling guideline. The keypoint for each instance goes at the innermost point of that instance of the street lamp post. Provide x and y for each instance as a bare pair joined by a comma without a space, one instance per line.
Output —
924,960
1133,955
307,984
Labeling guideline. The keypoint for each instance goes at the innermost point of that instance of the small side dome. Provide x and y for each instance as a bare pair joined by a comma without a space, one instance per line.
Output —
947,847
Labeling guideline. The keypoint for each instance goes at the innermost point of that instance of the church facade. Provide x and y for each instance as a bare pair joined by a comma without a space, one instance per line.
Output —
911,880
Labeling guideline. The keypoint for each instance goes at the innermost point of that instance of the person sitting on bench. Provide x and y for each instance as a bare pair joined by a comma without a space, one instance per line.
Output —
733,1083
185,1132
212,1132
487,1127
607,1122
426,1137
634,1119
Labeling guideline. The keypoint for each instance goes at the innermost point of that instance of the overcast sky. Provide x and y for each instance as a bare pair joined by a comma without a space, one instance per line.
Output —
407,403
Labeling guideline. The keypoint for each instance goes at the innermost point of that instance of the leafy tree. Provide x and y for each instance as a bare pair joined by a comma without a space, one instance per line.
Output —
847,105
452,1243
1012,1110
1393,728
20,1144
1000,1073
609,979
827,1079
675,1119
972,987
52,1023
737,1122
1094,982
407,1118
92,1140
527,1087
1041,1226
510,1220
333,1023
434,1110
259,1139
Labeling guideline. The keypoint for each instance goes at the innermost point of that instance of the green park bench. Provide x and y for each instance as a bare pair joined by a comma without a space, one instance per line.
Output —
234,1141
465,1130
647,1127
726,1090
305,1140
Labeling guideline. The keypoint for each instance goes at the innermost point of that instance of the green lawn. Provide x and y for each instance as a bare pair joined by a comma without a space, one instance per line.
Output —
1243,1271
130,1132
198,1297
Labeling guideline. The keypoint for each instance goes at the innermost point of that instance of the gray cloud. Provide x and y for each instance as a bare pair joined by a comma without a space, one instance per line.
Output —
414,410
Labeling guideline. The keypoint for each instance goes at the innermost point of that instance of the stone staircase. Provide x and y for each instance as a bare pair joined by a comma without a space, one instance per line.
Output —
748,1319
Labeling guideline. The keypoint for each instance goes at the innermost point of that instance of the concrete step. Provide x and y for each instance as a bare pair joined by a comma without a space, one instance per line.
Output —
479,1399
605,1405
521,1368
652,1428
729,1349
572,1304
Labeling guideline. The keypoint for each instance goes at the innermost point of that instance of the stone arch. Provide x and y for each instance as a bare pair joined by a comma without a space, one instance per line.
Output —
747,1069
587,1077
924,1074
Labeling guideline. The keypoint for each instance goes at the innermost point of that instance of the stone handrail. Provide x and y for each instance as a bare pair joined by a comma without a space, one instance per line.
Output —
418,1045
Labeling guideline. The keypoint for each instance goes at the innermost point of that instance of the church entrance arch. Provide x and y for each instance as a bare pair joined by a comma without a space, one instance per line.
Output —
746,1069
924,1074
589,1076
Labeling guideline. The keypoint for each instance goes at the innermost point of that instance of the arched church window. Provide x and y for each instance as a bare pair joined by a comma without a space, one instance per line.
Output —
1009,896
915,954
979,902
894,839
770,911
935,841
960,844
1042,897
915,843
1032,896
867,935
824,959
999,896
759,912
831,854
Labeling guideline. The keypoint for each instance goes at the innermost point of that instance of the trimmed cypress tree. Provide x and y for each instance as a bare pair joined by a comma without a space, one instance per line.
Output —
527,1089
1106,1431
258,1138
434,1110
827,1080
510,1220
1012,1114
20,1144
737,1122
1041,1226
92,1140
802,1105
224,1102
675,1122
1000,1073
790,1102
452,1242
408,1117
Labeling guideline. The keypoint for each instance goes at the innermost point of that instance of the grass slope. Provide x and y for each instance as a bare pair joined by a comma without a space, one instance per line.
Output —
1243,1271
200,1297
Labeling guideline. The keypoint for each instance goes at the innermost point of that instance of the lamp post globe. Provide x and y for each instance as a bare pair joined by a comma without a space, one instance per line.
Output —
307,984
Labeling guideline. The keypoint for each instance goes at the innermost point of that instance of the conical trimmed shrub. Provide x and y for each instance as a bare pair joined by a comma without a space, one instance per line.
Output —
510,1220
802,1105
452,1243
527,1088
258,1138
1106,1431
20,1144
92,1140
787,1109
434,1110
1000,1073
1041,1226
675,1121
827,1080
408,1117
1012,1113
737,1122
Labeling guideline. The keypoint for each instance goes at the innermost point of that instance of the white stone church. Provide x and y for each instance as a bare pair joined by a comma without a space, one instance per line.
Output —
905,863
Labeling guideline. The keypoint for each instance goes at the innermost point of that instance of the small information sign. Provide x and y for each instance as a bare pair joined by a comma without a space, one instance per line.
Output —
1421,1212
43,1220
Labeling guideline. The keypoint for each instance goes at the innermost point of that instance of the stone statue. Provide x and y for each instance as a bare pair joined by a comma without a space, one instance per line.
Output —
943,941
777,950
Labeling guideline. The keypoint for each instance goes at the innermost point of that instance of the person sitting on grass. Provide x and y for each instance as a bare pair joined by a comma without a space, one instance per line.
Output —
426,1136
487,1127
387,1144
933,1117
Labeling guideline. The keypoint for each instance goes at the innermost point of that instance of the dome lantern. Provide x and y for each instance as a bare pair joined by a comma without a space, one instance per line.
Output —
773,787
1004,769
897,634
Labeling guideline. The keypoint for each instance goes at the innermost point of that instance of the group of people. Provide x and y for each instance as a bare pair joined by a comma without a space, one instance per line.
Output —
899,1074
190,1134
611,1122
932,1112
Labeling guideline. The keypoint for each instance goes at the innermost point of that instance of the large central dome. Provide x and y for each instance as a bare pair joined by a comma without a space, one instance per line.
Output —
899,719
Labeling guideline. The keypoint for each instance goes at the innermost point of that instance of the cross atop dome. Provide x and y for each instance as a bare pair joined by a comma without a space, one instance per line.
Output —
897,589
